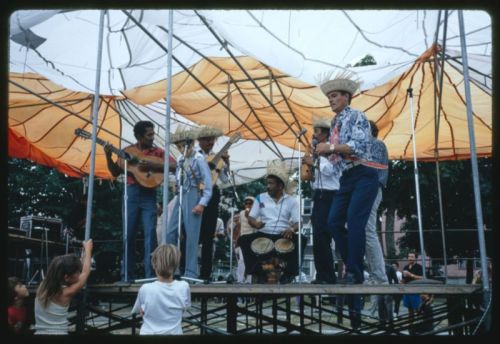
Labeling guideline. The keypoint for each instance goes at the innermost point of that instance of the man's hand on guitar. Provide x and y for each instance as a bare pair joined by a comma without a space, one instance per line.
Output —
225,157
198,209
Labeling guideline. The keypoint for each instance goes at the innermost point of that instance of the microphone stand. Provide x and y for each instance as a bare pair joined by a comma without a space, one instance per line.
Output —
230,278
182,175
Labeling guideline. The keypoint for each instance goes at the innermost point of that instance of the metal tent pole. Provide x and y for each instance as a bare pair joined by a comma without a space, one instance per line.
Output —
167,127
95,113
80,324
473,158
300,215
417,184
436,135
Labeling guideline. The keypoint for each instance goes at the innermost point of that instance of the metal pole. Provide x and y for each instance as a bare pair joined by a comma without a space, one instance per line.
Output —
181,191
300,216
473,159
125,223
436,141
95,113
168,99
231,242
417,186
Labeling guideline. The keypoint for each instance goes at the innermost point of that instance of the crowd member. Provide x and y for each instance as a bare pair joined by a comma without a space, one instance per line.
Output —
243,228
373,249
17,313
279,218
207,136
194,174
411,272
349,150
397,297
141,201
66,276
325,186
385,302
162,302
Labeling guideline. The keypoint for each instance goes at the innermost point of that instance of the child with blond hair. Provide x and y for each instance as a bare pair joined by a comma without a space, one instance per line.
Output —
66,276
162,302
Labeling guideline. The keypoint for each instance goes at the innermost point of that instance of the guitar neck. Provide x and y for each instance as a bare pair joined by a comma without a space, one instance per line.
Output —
217,156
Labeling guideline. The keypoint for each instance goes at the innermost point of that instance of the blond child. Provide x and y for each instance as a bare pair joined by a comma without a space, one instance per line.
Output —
65,277
162,303
18,319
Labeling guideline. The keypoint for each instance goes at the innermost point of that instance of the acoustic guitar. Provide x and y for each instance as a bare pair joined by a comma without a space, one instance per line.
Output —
215,161
133,156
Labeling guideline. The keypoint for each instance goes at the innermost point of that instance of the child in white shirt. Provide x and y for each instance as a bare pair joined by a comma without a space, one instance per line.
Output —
162,303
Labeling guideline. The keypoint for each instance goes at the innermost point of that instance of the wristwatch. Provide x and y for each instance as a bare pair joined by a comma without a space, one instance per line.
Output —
332,147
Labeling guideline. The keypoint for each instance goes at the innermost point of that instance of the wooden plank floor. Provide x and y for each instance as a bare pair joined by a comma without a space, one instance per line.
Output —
302,289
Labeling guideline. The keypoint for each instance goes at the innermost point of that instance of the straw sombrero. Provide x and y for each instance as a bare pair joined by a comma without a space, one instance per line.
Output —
183,133
321,122
344,81
281,170
208,131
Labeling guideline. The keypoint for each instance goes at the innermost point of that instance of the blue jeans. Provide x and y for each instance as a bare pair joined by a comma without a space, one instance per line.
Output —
322,237
141,202
352,204
191,223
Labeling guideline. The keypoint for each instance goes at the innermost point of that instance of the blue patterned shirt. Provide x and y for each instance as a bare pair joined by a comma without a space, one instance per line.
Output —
380,155
350,127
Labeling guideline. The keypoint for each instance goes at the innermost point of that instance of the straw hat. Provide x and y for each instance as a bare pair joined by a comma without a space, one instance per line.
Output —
280,170
183,133
207,131
321,122
344,81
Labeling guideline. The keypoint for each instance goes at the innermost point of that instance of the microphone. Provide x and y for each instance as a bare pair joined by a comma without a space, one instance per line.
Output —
302,132
314,143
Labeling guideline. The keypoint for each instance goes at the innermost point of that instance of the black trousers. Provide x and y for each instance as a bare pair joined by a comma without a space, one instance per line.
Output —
253,261
208,224
322,236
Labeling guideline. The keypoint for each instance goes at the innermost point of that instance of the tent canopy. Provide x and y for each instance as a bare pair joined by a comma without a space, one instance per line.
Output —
253,72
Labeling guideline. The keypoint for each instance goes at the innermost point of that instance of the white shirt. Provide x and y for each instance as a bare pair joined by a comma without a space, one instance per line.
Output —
163,305
219,229
324,178
51,320
277,216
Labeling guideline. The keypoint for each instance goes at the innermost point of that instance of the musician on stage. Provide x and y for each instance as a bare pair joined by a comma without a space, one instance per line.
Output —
207,136
279,218
141,202
325,186
194,174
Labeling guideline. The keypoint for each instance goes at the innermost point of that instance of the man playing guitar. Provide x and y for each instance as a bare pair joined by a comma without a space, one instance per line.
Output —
141,201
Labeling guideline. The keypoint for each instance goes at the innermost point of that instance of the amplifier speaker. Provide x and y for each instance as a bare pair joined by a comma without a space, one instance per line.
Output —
35,226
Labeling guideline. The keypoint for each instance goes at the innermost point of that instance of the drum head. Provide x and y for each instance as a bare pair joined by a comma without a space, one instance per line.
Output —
262,245
284,245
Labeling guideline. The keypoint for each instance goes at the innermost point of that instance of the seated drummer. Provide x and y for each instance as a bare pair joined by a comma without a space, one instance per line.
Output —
279,217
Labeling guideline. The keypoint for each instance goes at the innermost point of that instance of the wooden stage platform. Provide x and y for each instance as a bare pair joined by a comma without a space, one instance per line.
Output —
297,308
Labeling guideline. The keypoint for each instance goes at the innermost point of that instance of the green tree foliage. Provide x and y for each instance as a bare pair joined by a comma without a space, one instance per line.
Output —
41,191
368,60
458,205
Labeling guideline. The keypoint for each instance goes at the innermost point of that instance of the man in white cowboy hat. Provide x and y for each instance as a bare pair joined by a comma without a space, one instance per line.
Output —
325,186
194,174
141,201
207,136
349,150
279,217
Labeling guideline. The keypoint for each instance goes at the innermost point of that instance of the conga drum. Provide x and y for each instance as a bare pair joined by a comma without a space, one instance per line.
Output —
261,246
284,246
